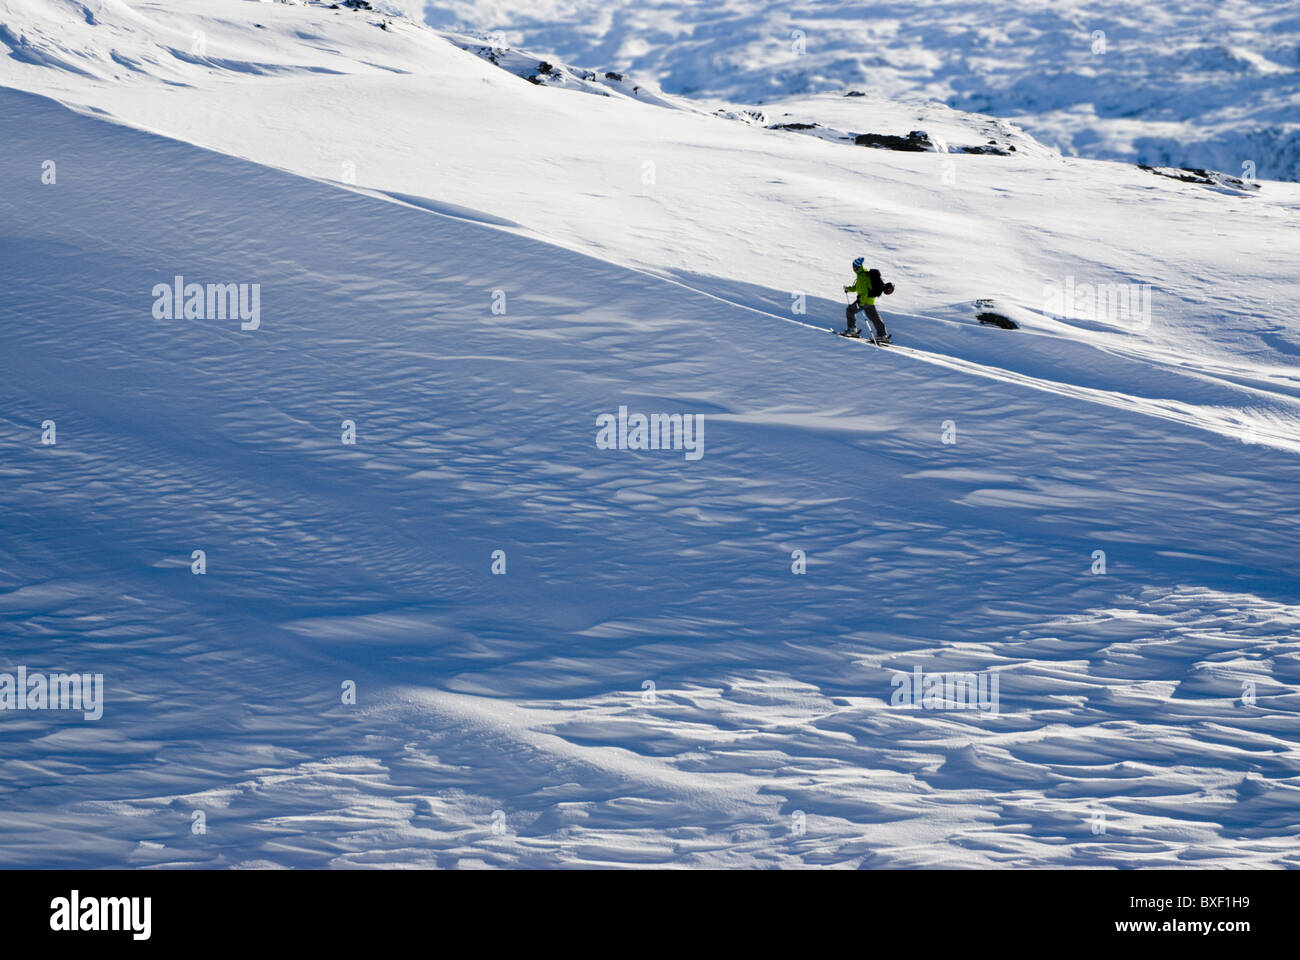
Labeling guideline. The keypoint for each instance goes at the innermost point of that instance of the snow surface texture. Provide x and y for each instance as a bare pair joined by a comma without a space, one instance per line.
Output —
1203,83
649,682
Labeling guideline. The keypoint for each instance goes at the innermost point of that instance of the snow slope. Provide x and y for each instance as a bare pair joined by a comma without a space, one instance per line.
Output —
768,736
1204,83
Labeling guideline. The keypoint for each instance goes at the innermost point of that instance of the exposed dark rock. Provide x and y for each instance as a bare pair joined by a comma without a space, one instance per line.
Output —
1210,178
987,149
793,126
918,141
985,314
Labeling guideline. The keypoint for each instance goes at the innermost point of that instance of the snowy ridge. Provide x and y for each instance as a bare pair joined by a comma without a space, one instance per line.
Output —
944,127
542,72
1199,84
1124,735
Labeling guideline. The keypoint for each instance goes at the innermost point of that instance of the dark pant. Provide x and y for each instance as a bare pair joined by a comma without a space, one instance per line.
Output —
851,316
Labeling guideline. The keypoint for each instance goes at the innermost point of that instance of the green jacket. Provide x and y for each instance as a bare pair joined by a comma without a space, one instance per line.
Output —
863,286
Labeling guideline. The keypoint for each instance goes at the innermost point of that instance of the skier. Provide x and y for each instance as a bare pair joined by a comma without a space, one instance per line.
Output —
868,285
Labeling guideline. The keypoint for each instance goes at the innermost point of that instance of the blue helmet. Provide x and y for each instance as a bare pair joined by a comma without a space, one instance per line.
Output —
857,264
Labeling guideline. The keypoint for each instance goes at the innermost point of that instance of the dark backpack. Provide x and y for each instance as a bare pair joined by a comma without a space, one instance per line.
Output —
877,283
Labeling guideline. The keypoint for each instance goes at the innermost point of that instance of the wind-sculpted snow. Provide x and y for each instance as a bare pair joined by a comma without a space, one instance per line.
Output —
1201,84
715,661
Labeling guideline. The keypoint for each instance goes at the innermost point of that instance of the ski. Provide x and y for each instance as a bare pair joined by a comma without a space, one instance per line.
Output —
859,336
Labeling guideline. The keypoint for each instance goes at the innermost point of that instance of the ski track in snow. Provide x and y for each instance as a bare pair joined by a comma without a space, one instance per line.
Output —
1121,695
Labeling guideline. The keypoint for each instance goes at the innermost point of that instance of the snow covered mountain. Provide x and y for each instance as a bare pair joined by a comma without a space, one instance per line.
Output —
365,585
1204,83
